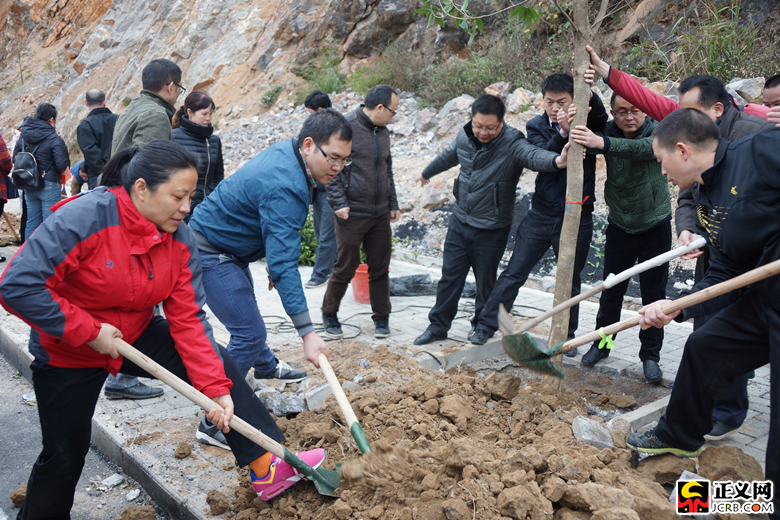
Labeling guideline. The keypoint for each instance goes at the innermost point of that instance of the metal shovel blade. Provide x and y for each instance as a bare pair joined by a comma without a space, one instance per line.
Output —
524,350
326,481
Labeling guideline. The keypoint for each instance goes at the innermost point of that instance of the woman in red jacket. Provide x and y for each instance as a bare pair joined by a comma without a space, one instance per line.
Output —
91,273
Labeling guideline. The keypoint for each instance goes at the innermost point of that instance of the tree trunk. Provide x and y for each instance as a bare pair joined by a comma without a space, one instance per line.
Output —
574,180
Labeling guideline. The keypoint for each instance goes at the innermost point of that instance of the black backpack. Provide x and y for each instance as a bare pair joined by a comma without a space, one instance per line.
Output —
25,174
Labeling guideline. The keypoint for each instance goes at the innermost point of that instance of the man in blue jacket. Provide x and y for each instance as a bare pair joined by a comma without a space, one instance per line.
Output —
257,213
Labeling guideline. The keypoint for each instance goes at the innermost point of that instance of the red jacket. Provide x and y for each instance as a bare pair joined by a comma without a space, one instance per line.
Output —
654,105
97,260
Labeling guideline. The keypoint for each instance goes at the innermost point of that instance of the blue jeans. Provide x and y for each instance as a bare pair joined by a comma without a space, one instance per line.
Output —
325,231
230,295
39,203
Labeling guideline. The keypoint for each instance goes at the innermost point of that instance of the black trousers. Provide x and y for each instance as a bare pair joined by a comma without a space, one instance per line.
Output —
377,239
465,248
536,234
621,251
732,404
66,403
742,337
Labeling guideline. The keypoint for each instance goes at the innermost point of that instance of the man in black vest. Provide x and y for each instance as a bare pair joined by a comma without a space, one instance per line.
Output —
94,134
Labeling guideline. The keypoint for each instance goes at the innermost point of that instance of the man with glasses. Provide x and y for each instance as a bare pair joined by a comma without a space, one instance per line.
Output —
257,213
148,117
364,202
492,156
540,229
640,222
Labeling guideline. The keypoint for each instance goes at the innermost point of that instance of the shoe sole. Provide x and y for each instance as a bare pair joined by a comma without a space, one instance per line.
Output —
334,336
719,437
683,454
307,286
378,335
210,441
112,396
428,342
295,380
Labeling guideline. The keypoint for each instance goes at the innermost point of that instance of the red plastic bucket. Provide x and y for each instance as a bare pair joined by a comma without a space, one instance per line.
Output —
360,285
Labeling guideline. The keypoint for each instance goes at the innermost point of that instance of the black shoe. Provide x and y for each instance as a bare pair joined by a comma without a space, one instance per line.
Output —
137,391
313,284
647,442
283,372
472,331
428,337
382,328
480,337
653,372
720,430
332,326
594,355
209,434
572,353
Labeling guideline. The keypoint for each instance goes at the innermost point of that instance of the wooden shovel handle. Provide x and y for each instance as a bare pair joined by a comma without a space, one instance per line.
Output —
159,372
338,392
756,275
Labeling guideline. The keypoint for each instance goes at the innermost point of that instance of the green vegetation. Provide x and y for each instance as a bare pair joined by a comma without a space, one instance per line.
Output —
308,241
270,97
710,40
322,72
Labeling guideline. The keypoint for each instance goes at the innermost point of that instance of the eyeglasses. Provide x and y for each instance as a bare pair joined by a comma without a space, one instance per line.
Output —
334,162
622,114
183,89
486,129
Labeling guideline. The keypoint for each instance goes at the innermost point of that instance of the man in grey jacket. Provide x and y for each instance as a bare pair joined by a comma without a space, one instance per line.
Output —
363,199
148,117
492,156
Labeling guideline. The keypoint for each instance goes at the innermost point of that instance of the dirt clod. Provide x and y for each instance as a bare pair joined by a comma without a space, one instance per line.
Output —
217,501
17,497
729,463
139,513
667,468
184,449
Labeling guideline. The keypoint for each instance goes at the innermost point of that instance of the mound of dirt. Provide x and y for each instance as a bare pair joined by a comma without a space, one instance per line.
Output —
456,445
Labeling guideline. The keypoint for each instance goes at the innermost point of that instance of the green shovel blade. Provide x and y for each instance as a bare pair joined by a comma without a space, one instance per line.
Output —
527,353
326,481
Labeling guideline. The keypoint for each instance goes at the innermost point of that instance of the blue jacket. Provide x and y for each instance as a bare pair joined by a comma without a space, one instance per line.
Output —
258,212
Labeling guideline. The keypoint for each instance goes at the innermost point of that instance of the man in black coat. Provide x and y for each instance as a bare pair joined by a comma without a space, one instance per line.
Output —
94,134
541,227
738,211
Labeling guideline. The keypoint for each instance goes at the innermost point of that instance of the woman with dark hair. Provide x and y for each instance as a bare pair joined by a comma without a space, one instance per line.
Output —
92,273
39,136
192,129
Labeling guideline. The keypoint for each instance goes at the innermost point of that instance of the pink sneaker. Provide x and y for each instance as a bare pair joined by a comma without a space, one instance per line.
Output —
282,476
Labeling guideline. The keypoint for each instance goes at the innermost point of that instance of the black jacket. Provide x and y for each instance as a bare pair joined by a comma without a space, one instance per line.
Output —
366,186
51,154
550,192
201,141
94,134
485,188
740,213
733,125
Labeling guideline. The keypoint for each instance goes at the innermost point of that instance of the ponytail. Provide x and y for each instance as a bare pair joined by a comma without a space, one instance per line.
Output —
112,171
176,120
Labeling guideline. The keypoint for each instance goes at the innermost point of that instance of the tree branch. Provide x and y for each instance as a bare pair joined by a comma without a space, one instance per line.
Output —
573,25
467,16
600,17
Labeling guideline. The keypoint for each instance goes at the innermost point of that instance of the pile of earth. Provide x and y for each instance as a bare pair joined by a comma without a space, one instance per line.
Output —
460,445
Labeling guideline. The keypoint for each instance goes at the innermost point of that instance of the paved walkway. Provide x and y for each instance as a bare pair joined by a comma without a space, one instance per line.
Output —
142,435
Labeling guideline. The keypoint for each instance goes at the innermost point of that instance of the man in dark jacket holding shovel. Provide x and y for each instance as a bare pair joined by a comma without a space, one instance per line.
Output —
363,199
492,156
640,222
738,209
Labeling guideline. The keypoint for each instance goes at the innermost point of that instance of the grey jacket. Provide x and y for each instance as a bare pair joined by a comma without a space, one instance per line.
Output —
485,188
733,125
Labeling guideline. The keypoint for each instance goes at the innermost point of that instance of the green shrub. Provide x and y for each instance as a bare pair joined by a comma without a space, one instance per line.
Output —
323,71
308,241
270,97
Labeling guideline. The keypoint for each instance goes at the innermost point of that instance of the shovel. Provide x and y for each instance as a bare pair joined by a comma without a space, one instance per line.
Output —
611,281
527,353
349,415
325,480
